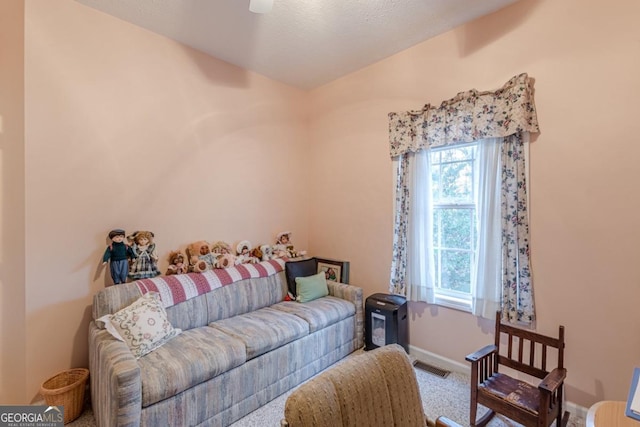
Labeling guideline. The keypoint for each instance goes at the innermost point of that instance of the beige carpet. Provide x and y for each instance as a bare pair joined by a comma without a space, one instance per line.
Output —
440,396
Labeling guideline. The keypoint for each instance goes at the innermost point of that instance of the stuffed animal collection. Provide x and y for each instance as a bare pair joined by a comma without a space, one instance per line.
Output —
204,256
139,258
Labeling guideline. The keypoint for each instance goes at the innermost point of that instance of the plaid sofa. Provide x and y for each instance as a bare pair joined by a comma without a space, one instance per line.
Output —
241,347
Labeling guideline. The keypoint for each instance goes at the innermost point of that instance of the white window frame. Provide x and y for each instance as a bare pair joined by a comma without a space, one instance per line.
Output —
450,298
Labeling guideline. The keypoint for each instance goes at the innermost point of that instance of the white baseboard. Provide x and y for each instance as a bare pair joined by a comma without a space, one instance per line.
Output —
454,366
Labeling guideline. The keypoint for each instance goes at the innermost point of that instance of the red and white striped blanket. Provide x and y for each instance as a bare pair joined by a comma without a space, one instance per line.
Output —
177,288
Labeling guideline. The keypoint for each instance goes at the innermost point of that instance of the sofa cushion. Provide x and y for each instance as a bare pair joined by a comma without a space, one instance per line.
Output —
191,358
311,288
245,296
263,330
319,313
143,325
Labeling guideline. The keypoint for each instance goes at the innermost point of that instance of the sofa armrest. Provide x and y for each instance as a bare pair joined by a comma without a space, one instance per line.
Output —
116,389
353,294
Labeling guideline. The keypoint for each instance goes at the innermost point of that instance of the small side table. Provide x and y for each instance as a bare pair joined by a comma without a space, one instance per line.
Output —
610,414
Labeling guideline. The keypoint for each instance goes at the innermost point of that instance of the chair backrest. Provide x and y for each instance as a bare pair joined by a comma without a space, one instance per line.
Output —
375,388
527,351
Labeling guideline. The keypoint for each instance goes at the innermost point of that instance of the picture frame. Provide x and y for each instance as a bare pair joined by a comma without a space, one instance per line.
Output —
336,271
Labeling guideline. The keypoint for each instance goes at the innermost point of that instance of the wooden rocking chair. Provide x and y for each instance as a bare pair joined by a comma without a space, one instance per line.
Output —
515,399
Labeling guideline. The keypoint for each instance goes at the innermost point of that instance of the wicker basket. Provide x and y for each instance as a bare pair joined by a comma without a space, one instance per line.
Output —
66,389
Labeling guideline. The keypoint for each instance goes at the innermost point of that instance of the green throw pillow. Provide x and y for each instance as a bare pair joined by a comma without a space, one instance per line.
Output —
311,287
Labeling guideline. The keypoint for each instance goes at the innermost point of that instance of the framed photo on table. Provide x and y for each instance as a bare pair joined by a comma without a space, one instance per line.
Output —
336,271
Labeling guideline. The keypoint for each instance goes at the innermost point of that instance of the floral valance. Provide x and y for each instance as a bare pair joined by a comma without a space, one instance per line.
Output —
470,116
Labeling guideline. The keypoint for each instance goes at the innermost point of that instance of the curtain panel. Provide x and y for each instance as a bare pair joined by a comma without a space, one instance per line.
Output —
508,114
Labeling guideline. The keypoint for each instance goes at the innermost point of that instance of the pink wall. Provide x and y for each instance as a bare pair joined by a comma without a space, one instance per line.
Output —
12,223
125,128
584,204
129,129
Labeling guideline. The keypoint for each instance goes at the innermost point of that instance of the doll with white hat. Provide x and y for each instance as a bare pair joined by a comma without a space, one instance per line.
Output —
284,248
243,253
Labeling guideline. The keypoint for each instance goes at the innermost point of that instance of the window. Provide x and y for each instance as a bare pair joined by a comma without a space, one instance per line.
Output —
451,237
455,234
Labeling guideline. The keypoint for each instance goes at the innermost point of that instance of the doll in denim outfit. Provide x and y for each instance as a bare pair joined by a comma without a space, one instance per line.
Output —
118,254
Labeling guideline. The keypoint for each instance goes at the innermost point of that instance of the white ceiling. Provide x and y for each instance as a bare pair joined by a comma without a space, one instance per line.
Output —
303,43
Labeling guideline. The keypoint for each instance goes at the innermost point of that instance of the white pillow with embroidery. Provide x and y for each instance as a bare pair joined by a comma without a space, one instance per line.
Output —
143,325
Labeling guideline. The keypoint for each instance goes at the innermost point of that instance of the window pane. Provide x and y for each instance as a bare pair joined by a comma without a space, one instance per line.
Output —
454,154
438,263
456,181
456,228
435,156
435,182
437,226
456,270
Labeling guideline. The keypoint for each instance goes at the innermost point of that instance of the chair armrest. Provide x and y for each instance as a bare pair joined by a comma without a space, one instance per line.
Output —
116,388
553,381
353,294
481,354
446,422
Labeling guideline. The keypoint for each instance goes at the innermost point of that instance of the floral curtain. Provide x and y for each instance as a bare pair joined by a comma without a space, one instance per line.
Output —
517,292
400,230
508,112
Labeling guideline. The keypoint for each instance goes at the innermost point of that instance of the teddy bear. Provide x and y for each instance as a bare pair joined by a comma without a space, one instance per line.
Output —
257,252
284,248
225,261
200,256
223,255
177,264
243,253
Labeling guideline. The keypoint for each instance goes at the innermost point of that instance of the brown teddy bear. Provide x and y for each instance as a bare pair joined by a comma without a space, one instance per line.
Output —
200,256
257,252
177,264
